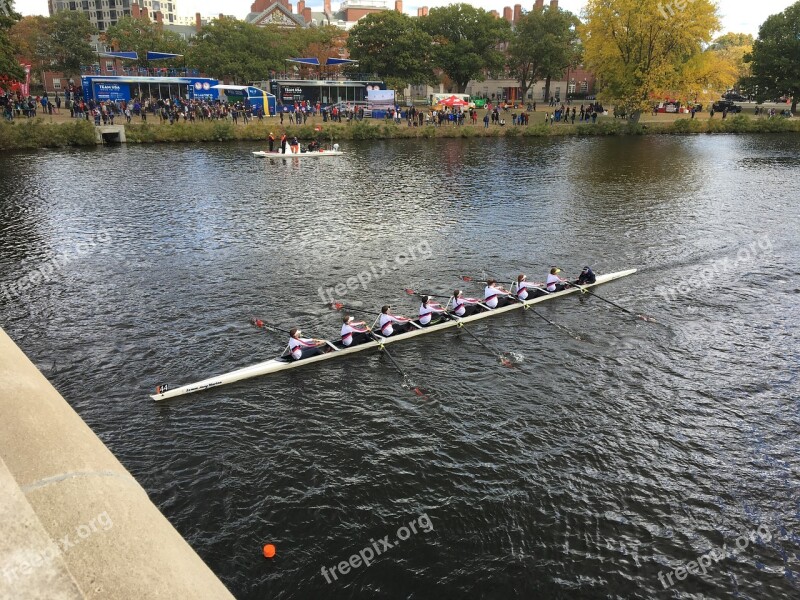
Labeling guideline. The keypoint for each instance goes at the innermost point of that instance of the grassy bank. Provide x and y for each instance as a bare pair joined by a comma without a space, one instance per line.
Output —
25,134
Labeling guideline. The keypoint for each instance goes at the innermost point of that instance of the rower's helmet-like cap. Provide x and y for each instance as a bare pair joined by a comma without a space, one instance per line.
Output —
555,270
521,277
385,308
294,331
457,293
347,319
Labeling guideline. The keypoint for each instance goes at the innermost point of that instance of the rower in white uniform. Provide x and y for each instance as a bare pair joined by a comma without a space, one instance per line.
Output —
462,306
427,309
494,295
554,282
301,347
391,324
527,290
354,332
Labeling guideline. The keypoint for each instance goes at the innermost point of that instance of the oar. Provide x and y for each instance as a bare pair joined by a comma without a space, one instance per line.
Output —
416,389
406,380
561,327
262,325
411,292
466,278
503,360
585,291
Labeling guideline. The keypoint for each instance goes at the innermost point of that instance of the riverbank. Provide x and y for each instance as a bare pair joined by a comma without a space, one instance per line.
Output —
39,133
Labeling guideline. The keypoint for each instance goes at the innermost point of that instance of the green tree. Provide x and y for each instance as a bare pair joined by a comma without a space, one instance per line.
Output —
775,59
240,51
140,35
9,65
639,49
69,47
543,45
31,39
394,47
466,42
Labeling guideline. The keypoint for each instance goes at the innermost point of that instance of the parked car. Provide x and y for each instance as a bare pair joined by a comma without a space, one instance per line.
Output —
735,96
722,105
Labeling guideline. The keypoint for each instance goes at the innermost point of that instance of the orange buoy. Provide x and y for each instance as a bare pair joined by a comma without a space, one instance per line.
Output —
269,550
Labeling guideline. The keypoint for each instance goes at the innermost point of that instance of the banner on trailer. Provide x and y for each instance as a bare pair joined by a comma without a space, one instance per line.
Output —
112,91
379,98
202,89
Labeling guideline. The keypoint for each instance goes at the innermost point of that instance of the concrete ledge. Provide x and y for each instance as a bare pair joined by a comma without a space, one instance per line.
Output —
110,134
106,535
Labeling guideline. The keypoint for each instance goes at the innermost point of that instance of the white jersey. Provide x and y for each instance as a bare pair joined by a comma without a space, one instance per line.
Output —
296,346
490,295
426,312
386,324
524,289
458,307
348,331
552,280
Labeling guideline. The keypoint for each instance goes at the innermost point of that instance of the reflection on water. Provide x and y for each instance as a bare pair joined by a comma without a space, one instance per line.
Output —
585,472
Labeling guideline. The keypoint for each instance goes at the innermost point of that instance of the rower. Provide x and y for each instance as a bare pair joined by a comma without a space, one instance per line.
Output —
462,306
427,310
354,332
527,290
492,294
391,324
554,282
587,277
301,347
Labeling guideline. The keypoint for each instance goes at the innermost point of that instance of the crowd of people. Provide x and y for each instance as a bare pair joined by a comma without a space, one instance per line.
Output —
16,105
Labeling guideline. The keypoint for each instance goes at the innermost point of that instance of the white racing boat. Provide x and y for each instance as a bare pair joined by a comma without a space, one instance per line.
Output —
283,363
312,154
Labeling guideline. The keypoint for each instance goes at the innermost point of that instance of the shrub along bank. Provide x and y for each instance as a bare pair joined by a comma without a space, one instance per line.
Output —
35,133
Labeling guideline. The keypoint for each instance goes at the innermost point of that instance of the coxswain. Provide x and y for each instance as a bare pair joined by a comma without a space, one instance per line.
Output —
427,309
554,282
462,306
354,332
301,347
391,324
527,290
283,142
586,277
494,295
271,140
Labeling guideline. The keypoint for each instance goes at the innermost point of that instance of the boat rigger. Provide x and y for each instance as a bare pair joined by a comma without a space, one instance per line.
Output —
283,363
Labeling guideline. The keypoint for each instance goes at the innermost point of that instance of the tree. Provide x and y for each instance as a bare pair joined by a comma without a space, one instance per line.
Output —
237,50
69,48
31,39
9,65
731,48
639,49
320,42
466,42
141,35
774,59
394,47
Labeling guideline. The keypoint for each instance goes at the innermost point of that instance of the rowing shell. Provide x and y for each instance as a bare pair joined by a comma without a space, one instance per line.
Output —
314,154
281,364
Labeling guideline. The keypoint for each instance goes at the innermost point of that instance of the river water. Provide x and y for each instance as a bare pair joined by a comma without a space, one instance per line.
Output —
595,468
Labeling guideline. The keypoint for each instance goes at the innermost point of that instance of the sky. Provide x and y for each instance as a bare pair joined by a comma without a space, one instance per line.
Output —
738,16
